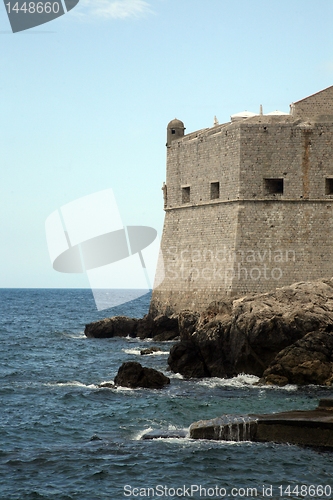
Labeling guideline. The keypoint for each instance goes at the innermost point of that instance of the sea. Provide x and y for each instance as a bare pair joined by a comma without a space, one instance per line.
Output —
63,437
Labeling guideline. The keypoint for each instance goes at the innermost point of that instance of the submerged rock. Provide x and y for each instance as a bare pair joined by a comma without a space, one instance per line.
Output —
150,350
107,385
156,434
131,374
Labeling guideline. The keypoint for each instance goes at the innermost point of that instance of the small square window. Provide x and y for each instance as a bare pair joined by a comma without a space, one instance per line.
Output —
214,190
273,186
186,194
329,186
173,131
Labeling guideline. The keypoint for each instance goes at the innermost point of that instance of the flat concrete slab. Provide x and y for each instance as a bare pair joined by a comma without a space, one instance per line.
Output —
305,428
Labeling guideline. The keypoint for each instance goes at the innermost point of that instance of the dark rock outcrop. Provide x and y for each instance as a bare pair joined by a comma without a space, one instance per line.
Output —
186,358
161,328
164,328
307,361
187,321
132,374
107,385
150,350
118,326
244,336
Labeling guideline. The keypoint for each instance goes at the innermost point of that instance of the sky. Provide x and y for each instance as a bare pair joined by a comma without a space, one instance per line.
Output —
86,99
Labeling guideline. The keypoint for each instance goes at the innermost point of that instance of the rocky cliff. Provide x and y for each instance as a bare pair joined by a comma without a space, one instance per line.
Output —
273,335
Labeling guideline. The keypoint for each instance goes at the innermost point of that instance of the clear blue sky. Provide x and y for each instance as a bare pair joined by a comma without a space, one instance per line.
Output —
85,101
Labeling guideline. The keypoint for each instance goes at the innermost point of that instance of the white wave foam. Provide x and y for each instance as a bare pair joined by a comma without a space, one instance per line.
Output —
159,353
148,339
111,382
76,335
184,434
242,380
188,441
288,387
120,388
176,375
134,351
139,435
137,352
232,443
174,440
72,383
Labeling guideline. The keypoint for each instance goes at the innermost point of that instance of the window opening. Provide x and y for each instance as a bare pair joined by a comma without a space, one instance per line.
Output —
273,186
186,194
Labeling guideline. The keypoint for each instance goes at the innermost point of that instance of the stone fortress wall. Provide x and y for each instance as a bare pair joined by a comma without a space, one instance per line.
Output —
248,205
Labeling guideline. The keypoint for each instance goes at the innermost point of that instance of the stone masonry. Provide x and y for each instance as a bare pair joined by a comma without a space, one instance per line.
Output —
248,205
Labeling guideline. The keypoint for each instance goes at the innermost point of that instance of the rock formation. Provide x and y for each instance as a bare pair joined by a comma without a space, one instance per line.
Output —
245,335
161,328
118,326
283,336
308,361
150,350
132,374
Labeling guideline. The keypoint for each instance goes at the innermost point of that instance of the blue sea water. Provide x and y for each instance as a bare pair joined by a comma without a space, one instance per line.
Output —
62,437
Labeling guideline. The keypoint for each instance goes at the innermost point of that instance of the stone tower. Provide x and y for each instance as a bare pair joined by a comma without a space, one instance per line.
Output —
249,205
175,130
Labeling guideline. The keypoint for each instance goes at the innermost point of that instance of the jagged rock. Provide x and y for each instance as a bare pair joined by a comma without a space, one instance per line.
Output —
107,385
150,350
166,336
184,358
308,361
118,326
187,321
245,335
165,328
218,308
145,327
95,438
161,328
273,379
132,374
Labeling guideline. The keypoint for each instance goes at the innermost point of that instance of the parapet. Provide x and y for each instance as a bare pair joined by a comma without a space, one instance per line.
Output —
318,106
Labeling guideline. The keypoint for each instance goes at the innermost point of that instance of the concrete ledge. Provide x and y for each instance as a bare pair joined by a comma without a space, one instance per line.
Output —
306,428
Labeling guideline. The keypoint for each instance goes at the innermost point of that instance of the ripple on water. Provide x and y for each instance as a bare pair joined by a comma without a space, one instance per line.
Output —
52,407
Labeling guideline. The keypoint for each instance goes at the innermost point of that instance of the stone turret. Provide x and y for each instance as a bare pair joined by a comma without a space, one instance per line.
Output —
175,130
